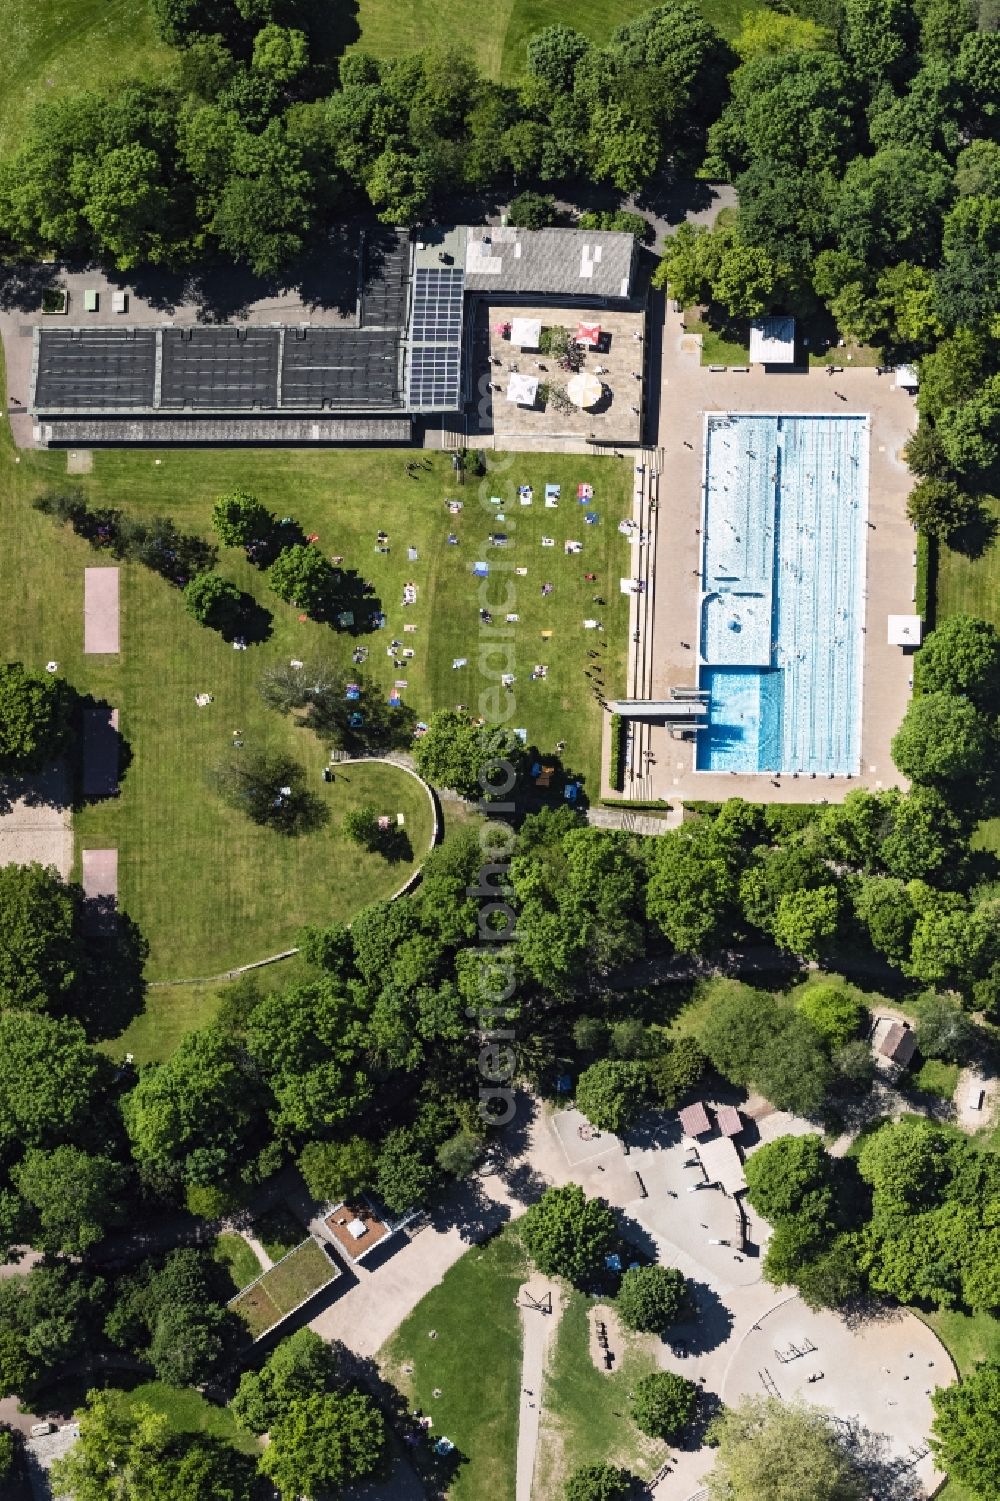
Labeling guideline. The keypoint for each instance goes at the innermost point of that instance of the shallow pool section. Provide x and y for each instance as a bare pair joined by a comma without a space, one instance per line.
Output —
782,614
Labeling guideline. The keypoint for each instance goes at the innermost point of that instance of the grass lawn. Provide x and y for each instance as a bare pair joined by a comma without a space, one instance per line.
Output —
189,1412
970,585
208,889
498,37
284,1287
50,46
716,348
475,1361
239,1259
936,1077
585,1411
171,1011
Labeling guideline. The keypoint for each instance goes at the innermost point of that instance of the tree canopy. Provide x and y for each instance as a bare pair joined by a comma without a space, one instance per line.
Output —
785,1451
569,1235
34,716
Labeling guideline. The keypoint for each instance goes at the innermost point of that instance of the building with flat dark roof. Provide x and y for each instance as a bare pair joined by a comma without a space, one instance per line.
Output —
131,377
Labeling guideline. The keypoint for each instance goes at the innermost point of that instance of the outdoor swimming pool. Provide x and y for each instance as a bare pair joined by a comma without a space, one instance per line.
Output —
782,610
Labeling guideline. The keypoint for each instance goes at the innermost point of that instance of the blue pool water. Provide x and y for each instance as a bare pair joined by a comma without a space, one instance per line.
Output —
783,593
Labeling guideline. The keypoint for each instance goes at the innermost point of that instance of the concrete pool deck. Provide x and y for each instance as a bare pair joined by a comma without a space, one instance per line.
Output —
689,391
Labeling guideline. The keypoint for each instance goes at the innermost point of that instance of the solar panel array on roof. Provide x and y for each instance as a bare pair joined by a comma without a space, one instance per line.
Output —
435,372
341,368
219,368
435,362
109,367
437,304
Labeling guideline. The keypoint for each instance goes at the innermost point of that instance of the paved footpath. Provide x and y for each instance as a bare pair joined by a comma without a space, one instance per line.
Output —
538,1328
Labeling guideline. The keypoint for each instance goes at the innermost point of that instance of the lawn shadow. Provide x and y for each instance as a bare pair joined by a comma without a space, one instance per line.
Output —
110,991
253,623
977,536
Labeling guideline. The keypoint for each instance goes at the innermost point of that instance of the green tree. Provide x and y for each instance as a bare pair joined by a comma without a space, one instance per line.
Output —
303,577
52,1084
399,186
47,1319
269,787
335,1170
611,1093
650,1298
676,1072
127,204
962,656
298,1367
907,1163
532,210
280,51
598,1482
693,885
942,740
965,1435
924,452
475,760
214,601
404,1177
940,507
553,54
784,1451
193,1118
265,208
33,719
569,1235
792,1178
241,520
168,1315
806,922
40,956
361,825
834,1008
8,1453
459,1154
746,280
663,1405
76,1196
130,1450
323,1442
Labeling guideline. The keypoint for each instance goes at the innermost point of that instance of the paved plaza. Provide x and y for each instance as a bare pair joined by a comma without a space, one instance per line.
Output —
689,392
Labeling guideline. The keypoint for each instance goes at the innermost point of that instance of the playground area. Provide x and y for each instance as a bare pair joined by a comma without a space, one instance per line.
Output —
879,1374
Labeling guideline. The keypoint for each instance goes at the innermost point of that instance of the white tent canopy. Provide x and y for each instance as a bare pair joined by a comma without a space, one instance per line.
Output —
772,341
522,389
526,333
905,630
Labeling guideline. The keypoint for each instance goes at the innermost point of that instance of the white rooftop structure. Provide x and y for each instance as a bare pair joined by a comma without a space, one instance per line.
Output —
522,389
907,378
526,333
905,630
772,341
723,1164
